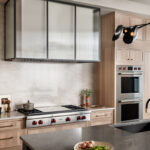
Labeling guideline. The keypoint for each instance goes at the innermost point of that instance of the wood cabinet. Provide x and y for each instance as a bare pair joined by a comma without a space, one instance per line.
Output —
101,117
138,21
129,57
10,132
122,19
146,95
147,30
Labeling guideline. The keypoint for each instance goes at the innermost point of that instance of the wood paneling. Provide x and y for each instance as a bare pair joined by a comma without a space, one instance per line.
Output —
10,132
13,148
148,30
146,84
101,117
107,64
3,2
138,21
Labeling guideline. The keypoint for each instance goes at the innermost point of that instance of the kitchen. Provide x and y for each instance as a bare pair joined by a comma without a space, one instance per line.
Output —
38,73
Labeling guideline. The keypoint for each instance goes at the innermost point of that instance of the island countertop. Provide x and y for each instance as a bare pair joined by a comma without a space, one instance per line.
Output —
66,139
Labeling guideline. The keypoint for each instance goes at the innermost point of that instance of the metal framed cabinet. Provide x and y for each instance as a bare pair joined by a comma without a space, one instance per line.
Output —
51,31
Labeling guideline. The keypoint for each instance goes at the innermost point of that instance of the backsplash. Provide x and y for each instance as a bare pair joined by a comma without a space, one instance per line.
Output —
44,83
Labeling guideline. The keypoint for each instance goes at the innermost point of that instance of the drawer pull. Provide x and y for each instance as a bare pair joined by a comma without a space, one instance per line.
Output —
9,138
7,126
102,115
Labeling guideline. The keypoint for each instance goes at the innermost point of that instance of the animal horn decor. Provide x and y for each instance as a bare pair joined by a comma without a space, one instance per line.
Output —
130,33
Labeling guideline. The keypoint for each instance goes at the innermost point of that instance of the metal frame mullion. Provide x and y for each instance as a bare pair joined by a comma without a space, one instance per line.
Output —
47,33
75,33
15,29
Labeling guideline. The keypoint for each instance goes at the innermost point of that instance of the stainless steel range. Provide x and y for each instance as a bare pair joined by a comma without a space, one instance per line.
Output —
47,116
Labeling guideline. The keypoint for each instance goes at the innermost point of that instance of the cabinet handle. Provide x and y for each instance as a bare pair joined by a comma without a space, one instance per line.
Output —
128,59
7,126
102,115
9,138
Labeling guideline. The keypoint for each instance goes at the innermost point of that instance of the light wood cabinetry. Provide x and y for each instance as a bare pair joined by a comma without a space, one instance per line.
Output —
137,21
129,57
146,84
101,117
10,132
122,19
148,30
119,53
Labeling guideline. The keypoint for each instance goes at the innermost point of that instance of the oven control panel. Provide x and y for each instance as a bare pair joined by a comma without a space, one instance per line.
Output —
123,68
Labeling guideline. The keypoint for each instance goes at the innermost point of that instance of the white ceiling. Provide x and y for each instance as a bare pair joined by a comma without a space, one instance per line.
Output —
147,2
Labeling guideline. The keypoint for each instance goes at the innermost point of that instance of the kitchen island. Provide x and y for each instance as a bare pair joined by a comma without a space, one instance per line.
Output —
66,139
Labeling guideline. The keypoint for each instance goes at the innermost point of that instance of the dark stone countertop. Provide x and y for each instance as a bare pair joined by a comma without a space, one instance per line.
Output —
66,139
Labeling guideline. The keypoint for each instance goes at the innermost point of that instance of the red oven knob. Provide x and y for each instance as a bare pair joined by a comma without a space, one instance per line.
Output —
135,68
79,118
84,117
139,68
34,123
68,119
53,121
124,68
40,121
120,68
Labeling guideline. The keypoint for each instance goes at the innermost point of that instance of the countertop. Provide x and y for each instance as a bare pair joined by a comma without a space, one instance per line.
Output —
99,108
11,115
65,140
17,115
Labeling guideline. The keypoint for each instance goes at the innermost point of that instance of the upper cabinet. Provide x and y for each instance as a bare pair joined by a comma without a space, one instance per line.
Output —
61,31
148,30
30,29
52,31
87,34
137,21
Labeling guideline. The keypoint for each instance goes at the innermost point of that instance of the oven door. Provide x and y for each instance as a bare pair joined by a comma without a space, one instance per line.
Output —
129,110
129,85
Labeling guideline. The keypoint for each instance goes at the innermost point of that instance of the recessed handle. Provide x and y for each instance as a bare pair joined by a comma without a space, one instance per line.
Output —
7,126
9,138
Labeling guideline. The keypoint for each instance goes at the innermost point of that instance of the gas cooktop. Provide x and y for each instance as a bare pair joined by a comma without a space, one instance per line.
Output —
46,116
52,110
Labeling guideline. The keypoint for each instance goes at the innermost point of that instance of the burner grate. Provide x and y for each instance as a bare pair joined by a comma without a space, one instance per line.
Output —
29,112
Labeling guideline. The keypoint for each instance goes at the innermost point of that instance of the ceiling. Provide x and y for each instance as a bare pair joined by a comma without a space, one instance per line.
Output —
147,2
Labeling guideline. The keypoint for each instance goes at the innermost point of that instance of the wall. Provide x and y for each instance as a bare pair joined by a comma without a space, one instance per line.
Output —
44,83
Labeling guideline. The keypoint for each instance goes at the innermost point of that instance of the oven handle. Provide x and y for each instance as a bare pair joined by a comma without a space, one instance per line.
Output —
129,101
130,73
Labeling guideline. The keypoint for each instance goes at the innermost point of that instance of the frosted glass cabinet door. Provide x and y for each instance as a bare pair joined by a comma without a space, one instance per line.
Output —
31,29
10,30
87,36
61,31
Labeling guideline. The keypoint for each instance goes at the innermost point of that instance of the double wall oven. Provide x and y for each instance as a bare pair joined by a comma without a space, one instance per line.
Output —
129,89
